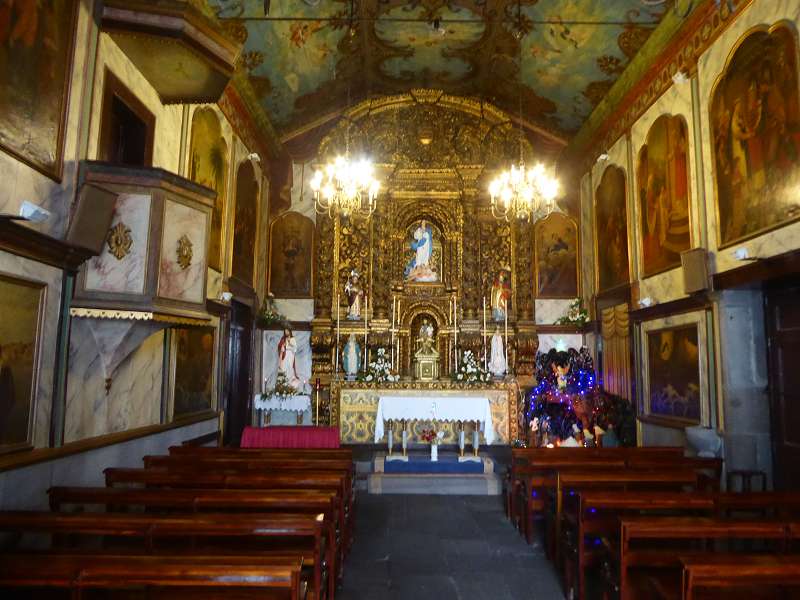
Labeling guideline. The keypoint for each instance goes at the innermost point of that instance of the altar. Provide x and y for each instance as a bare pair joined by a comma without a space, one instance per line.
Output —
361,415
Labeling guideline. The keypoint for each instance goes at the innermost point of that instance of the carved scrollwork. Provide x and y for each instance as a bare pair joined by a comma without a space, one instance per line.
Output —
184,252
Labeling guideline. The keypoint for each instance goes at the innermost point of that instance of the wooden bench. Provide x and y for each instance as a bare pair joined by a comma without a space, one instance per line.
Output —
757,575
597,516
207,500
340,453
278,535
649,547
164,577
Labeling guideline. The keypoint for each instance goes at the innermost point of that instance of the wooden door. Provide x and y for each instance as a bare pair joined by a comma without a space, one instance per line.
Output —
237,415
782,305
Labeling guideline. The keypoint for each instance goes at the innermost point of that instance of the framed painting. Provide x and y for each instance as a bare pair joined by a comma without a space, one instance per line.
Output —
193,349
675,370
611,226
36,48
21,314
291,256
245,224
556,257
755,132
208,166
662,179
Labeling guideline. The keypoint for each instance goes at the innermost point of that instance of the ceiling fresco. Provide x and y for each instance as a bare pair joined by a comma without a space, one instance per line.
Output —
308,59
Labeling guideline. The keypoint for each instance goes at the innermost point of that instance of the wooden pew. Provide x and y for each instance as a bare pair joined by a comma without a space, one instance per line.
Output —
207,500
758,575
162,478
162,576
273,536
598,513
651,546
340,453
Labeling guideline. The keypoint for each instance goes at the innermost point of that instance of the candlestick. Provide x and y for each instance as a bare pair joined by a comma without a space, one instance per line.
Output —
455,325
316,421
485,350
366,330
505,349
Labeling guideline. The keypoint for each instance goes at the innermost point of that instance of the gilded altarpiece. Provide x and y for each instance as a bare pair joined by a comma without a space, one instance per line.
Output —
431,244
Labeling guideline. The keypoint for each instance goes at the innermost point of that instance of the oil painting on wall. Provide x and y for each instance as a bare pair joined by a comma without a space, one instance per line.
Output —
245,223
755,128
291,252
208,166
674,373
194,370
20,318
662,177
36,40
556,260
611,221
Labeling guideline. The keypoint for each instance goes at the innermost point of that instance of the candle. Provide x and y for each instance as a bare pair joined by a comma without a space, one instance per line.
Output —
338,310
366,331
505,349
316,422
485,353
455,325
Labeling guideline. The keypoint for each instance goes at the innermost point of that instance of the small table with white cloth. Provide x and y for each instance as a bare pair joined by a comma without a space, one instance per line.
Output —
436,408
273,409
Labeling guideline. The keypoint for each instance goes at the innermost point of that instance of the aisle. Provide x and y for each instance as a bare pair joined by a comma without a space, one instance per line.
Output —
442,548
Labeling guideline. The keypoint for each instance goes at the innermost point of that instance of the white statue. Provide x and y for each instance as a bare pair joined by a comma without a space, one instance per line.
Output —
419,268
287,351
351,357
497,362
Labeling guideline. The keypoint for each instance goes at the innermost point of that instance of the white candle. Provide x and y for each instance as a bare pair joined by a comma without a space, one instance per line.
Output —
338,310
506,327
485,353
366,331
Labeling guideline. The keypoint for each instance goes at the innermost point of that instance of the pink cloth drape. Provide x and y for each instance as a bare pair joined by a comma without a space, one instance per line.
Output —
290,437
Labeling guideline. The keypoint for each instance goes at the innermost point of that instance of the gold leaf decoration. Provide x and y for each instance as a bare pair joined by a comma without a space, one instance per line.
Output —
184,252
119,240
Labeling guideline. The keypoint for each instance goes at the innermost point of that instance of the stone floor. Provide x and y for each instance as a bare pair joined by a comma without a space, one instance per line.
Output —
442,548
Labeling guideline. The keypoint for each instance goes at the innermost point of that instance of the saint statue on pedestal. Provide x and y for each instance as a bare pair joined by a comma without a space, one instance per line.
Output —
351,357
354,292
425,338
501,294
497,363
287,365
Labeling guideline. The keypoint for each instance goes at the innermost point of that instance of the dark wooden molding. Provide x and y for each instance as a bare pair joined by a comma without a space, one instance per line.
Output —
217,308
295,325
618,295
759,271
29,243
40,455
202,440
664,422
561,329
674,307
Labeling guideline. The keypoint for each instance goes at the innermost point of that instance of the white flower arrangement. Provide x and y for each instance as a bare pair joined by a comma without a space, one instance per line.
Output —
282,389
470,371
380,369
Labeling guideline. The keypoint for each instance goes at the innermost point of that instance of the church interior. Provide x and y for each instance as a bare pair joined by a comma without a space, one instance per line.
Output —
383,299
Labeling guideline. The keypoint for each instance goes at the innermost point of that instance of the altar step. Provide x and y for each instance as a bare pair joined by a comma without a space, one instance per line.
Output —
485,484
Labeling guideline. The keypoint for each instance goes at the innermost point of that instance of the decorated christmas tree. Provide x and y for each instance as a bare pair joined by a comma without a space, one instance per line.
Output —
569,407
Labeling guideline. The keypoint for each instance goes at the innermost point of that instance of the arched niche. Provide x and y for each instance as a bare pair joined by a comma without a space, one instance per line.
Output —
291,256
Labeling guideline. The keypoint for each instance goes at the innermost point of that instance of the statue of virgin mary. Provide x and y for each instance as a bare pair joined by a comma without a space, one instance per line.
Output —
419,268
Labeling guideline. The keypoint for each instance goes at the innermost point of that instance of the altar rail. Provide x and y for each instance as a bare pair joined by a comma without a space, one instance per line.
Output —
354,406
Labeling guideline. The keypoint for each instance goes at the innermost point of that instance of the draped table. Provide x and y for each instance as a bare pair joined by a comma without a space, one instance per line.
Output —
281,406
439,408
290,436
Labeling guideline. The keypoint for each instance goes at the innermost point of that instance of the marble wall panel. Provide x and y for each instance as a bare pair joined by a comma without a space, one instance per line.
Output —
22,267
107,273
677,100
548,311
560,341
302,196
709,67
134,398
175,281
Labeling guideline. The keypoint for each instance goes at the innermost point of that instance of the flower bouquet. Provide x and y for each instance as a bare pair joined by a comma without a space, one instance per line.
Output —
380,369
576,314
268,314
282,389
469,370
432,437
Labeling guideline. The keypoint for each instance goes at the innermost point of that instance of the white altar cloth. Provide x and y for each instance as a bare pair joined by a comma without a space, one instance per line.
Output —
294,403
441,408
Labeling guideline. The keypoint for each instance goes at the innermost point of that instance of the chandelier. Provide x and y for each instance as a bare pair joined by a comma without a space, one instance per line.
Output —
520,192
523,193
345,187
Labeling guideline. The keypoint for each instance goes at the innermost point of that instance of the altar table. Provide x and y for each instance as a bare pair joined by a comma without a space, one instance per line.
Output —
290,437
440,408
299,403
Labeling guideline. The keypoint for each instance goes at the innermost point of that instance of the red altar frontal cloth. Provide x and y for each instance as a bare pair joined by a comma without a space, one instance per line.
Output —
290,437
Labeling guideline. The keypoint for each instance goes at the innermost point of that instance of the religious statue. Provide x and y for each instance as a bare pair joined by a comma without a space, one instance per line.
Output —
287,365
420,267
355,296
497,362
351,357
425,338
501,294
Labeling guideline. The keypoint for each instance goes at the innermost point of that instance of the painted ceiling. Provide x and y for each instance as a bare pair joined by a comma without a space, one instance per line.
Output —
308,59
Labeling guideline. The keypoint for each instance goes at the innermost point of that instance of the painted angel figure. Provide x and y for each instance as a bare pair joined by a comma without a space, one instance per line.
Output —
419,268
287,351
354,292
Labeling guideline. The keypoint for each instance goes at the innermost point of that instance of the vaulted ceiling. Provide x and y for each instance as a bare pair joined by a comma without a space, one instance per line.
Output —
308,59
